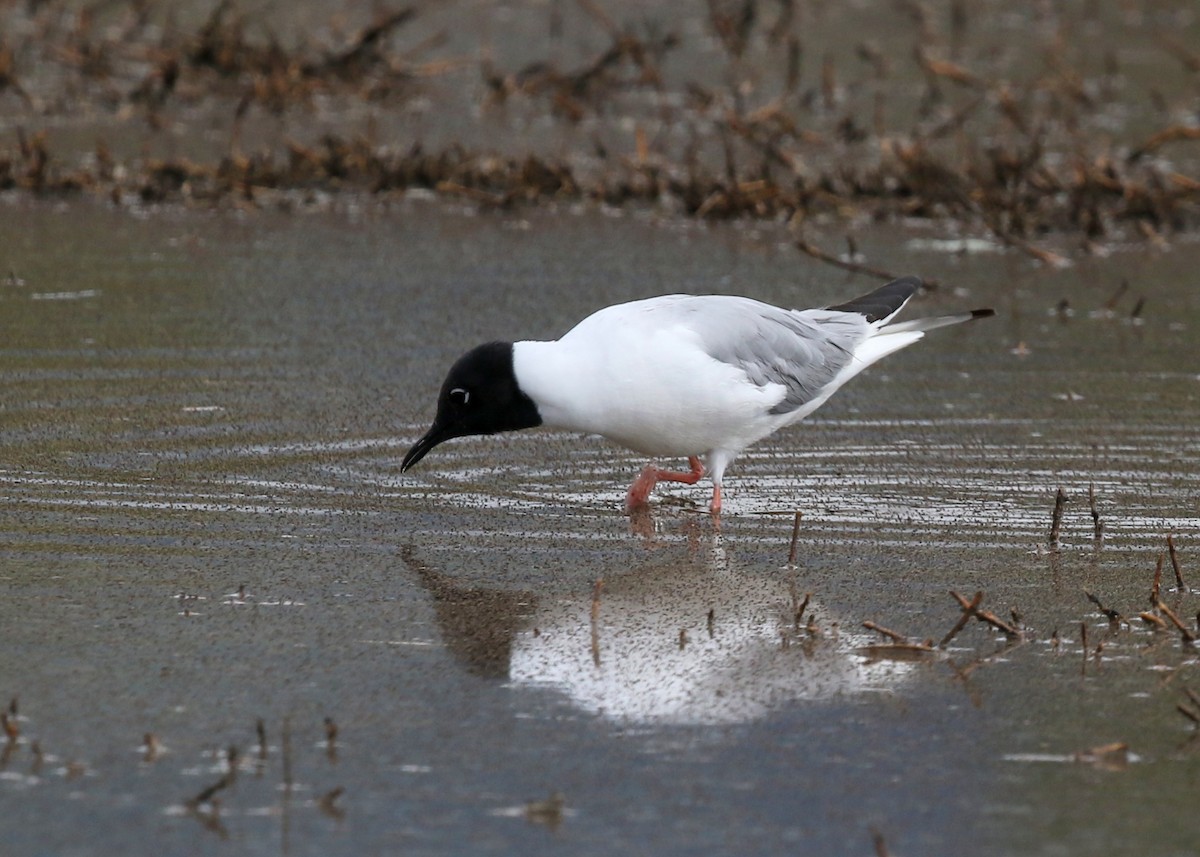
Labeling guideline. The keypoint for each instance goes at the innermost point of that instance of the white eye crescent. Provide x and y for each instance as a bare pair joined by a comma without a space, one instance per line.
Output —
460,396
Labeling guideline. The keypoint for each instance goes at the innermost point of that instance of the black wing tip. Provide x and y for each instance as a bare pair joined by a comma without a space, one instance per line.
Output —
982,313
885,300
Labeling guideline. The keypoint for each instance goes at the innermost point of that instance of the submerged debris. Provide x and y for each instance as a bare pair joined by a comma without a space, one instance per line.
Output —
548,812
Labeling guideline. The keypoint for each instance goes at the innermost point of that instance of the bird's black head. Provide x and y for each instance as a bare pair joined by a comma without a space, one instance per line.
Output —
479,396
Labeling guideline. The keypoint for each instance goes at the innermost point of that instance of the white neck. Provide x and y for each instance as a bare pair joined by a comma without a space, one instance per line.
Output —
549,373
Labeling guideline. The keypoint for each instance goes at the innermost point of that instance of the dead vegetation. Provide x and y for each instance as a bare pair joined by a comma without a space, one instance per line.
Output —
1027,142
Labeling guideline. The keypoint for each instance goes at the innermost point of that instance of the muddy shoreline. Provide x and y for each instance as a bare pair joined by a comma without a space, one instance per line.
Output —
981,120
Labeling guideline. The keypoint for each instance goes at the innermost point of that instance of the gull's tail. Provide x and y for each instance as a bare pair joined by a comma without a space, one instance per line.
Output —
881,306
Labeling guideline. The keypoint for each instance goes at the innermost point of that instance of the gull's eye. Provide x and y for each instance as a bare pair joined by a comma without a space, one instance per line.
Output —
459,396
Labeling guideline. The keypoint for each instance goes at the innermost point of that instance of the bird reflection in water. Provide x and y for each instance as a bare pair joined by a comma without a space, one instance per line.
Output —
685,638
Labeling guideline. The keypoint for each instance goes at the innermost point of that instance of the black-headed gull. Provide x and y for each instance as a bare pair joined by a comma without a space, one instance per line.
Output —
680,376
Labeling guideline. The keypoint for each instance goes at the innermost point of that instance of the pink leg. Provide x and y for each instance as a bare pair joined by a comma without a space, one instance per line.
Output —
715,508
639,492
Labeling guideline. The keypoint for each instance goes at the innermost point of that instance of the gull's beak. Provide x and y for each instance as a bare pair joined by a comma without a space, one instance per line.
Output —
436,434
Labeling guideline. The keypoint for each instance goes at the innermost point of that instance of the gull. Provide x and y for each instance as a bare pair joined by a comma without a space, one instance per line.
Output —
683,376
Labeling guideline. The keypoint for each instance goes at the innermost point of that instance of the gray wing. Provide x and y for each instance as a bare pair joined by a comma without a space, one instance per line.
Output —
801,349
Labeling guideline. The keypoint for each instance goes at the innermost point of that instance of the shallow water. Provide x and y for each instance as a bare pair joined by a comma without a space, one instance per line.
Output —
204,524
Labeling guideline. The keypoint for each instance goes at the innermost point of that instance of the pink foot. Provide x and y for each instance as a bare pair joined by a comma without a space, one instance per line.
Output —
639,491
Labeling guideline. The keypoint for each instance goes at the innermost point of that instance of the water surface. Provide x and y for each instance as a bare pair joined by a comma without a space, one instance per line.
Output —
204,524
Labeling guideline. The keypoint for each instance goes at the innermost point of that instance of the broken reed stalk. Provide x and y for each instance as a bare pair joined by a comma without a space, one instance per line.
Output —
206,795
985,616
327,802
1113,615
795,538
151,747
548,812
1184,631
1151,619
260,729
285,812
1097,524
285,740
1106,754
1060,500
331,736
895,636
1175,563
1192,714
595,616
1083,644
798,610
1156,587
854,267
1115,297
967,613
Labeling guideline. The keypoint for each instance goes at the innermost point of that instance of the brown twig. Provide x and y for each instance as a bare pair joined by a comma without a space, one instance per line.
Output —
12,729
1184,631
285,739
1115,297
1097,524
907,651
548,812
967,613
1167,135
1175,564
260,728
1151,619
597,588
205,795
855,267
985,616
1113,615
327,803
798,610
1116,753
331,736
887,632
795,538
285,814
151,747
1060,500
